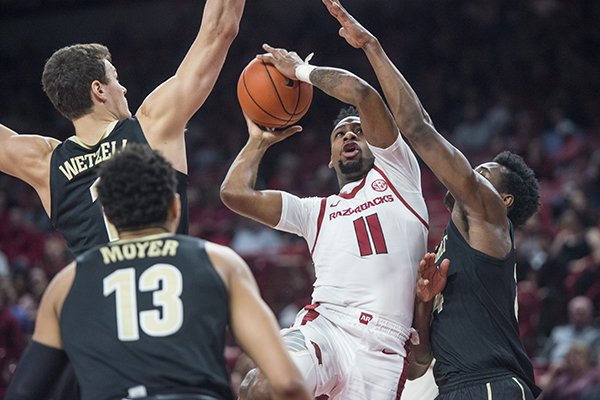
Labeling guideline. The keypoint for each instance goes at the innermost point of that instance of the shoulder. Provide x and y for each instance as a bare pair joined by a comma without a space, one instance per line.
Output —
223,256
60,285
34,147
66,276
290,198
228,264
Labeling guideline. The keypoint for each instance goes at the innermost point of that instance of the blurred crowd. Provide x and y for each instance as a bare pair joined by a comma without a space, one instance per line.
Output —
493,75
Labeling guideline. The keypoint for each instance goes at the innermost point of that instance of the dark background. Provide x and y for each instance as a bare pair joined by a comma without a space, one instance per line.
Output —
493,75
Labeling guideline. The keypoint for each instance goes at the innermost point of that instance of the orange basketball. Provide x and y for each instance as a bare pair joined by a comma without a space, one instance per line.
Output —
269,98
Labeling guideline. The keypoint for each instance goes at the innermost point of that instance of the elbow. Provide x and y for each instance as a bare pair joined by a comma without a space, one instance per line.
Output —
414,126
411,375
416,370
227,27
228,30
229,196
224,33
221,32
360,91
237,199
415,129
349,88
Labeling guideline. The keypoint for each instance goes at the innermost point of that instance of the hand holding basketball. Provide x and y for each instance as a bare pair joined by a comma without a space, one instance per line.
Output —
269,97
268,136
285,61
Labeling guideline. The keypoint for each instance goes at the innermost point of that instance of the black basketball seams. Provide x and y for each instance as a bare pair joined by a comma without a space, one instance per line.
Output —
281,122
275,88
255,102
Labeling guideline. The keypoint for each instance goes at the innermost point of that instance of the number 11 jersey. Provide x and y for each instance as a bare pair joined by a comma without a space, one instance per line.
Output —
366,242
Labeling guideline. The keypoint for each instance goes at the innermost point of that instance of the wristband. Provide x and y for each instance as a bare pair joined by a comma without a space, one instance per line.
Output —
303,72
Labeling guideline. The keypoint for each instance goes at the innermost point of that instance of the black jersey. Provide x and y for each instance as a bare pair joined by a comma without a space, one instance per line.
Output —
147,316
75,213
474,332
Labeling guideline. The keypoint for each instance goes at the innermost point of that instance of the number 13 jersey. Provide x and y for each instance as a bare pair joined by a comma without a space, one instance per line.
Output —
367,241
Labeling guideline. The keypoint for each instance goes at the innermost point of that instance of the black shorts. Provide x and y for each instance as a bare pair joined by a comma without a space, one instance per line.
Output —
509,388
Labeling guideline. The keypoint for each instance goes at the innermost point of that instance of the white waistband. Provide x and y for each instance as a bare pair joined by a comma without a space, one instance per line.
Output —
357,317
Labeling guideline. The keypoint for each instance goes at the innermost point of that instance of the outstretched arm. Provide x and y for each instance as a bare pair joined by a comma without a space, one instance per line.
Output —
255,328
447,162
27,157
166,111
376,120
237,190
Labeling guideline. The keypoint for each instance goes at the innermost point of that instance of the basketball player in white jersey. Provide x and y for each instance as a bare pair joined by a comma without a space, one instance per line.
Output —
366,242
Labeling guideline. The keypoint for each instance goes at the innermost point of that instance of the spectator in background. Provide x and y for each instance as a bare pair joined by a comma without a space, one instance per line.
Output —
479,128
568,245
592,392
568,380
11,339
584,274
4,266
529,313
578,330
251,238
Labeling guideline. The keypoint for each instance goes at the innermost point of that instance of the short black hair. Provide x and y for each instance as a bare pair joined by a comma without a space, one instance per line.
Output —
520,181
68,76
346,112
136,187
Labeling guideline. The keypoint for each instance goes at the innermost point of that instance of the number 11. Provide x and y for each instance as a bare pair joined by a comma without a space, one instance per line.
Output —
368,229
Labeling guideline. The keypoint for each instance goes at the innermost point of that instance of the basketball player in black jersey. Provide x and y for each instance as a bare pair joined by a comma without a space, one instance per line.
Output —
474,331
83,86
145,317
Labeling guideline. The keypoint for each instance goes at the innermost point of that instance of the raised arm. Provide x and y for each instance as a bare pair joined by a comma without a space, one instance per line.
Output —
255,328
237,190
166,111
27,157
376,120
447,162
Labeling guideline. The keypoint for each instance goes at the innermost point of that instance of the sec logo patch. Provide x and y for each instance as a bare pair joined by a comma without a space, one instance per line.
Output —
379,185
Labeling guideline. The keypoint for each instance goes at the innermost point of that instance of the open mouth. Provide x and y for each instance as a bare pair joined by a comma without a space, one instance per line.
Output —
350,150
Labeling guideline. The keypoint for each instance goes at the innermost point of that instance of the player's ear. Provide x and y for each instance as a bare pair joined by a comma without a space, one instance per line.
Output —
508,199
97,90
330,165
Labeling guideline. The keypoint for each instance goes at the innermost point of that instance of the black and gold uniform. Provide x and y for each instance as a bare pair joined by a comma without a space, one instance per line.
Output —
474,332
146,317
75,213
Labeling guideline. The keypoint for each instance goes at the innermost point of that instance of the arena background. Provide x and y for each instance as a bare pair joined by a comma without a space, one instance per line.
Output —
493,75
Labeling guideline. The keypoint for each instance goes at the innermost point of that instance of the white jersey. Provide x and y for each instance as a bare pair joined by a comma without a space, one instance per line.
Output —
366,242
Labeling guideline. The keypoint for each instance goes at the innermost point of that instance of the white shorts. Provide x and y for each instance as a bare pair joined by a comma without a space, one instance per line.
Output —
348,354
423,388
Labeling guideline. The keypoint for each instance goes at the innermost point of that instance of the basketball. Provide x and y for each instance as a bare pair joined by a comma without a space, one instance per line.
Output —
270,99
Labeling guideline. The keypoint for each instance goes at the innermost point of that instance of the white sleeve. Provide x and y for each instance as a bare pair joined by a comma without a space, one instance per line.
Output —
399,160
299,215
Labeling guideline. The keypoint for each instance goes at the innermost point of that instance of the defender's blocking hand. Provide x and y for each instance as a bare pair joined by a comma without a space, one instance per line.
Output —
355,34
432,280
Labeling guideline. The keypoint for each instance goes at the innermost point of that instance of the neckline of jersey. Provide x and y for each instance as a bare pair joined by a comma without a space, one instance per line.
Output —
105,134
